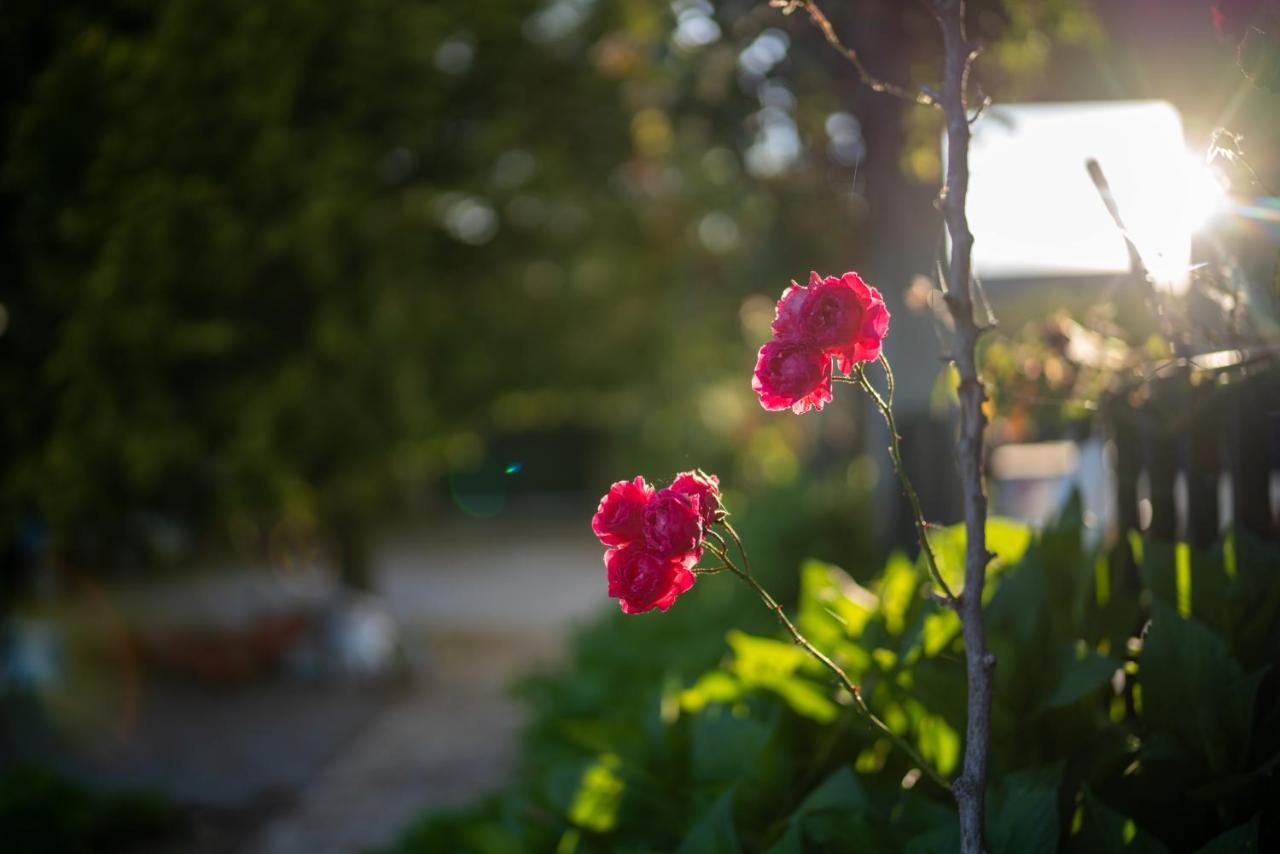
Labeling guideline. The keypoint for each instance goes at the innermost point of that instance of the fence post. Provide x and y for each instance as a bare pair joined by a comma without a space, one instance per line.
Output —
1160,455
1249,453
1201,463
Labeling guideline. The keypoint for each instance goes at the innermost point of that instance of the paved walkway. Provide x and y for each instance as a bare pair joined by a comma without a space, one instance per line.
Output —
443,744
486,608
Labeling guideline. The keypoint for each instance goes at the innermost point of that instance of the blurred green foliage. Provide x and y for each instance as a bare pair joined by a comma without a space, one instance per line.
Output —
42,813
1135,706
269,270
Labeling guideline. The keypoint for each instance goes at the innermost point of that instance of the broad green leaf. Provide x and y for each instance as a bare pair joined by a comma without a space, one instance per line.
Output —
1193,687
1238,840
834,809
936,841
939,743
806,699
1007,538
831,603
1023,812
714,686
940,629
725,745
791,841
1082,672
595,807
760,661
714,833
1102,830
841,791
1253,598
899,589
774,666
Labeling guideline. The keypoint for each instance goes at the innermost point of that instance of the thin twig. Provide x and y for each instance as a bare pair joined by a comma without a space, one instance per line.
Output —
823,659
895,454
872,82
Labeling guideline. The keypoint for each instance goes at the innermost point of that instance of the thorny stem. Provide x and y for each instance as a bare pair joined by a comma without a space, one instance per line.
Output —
895,454
744,573
875,84
888,376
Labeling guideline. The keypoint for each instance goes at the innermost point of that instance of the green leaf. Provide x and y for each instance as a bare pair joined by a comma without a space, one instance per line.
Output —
939,743
935,841
1193,687
842,791
834,810
714,686
714,833
1023,815
1081,674
940,630
725,745
1105,831
1253,597
760,661
773,665
832,605
806,699
1238,840
595,807
899,590
791,841
1007,538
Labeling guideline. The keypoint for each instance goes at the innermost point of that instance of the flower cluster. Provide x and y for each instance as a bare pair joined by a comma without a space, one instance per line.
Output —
833,318
654,537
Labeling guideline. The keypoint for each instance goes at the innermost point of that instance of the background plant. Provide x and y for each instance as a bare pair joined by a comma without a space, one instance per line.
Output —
1108,734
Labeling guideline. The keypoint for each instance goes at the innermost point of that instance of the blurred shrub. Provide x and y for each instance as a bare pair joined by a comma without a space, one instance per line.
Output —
1135,709
275,267
269,268
42,813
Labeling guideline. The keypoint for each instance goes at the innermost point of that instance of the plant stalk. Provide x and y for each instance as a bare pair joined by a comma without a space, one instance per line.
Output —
895,454
822,658
970,787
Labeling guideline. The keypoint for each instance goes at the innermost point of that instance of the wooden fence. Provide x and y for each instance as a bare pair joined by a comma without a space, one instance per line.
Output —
1191,455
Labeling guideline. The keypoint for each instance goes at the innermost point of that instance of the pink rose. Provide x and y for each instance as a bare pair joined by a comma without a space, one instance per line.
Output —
673,526
620,519
843,316
707,489
792,375
643,580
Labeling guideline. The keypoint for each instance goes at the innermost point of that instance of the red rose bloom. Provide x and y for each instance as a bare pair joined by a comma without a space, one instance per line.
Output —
825,313
792,375
642,580
843,316
706,487
620,519
673,526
